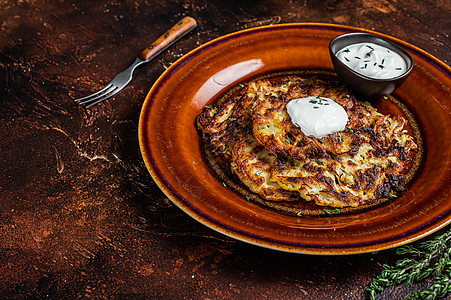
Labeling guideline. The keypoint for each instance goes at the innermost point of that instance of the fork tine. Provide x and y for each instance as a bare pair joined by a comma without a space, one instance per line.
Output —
96,94
102,95
99,98
106,96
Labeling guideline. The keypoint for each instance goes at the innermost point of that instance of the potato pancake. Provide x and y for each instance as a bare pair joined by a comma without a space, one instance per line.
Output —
252,133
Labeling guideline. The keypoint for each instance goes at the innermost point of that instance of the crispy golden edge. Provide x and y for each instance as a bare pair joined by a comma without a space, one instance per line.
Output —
261,101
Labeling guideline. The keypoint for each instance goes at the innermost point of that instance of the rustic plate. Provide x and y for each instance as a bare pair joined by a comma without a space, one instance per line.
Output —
171,147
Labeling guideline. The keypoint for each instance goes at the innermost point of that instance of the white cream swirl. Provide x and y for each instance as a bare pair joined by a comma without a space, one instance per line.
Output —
317,116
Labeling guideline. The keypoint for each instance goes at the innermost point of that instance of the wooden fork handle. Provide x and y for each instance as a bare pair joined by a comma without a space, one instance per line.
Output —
182,27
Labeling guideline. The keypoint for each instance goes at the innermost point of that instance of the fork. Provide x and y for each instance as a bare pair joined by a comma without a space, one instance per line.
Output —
122,79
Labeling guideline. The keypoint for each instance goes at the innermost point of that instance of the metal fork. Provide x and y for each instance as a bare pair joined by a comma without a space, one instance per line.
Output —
122,79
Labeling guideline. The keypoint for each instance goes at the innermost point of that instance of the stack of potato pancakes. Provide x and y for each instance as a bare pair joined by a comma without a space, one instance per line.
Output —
252,131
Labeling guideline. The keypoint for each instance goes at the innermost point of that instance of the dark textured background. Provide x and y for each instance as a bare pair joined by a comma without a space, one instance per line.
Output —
80,214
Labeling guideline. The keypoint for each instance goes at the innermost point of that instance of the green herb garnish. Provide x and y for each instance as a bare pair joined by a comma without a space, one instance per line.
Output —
349,129
428,260
369,53
392,194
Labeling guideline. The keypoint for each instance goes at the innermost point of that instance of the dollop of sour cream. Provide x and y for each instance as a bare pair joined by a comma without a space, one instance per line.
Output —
373,60
317,116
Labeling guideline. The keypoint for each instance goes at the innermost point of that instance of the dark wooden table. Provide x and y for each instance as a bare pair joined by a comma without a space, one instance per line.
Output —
80,214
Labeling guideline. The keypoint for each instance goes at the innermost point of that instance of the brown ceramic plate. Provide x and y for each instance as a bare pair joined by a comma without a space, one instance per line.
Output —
171,145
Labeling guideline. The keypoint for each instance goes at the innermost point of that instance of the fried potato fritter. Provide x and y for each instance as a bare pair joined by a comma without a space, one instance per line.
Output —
253,133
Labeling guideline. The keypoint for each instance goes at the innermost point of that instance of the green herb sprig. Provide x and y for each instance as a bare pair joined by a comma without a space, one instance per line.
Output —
429,259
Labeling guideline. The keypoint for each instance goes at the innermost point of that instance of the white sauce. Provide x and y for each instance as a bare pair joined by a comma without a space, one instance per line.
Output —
317,116
373,60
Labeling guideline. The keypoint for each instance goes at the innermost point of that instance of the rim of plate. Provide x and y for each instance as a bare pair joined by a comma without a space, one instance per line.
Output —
182,203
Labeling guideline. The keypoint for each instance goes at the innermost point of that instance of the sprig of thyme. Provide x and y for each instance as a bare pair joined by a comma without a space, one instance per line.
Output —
427,259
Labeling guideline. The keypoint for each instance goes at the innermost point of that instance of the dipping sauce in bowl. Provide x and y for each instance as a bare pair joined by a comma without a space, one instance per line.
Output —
370,65
373,60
